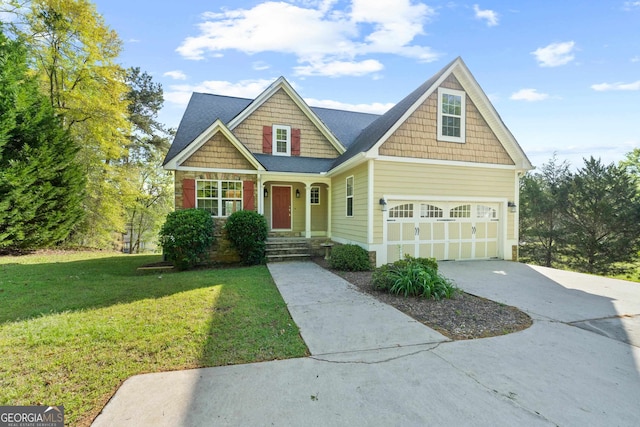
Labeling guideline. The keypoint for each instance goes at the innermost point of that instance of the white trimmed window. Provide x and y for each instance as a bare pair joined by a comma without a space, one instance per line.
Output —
281,140
451,115
315,195
221,198
349,193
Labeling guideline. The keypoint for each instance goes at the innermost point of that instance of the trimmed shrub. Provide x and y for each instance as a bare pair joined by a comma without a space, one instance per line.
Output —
186,237
413,277
349,258
247,231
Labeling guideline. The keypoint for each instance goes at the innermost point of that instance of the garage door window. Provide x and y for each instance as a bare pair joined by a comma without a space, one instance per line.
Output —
430,211
462,211
402,211
486,212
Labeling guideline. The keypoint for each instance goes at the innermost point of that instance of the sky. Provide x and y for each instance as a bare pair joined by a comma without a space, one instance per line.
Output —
563,75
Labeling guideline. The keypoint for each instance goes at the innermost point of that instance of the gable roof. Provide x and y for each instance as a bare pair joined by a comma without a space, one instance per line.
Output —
376,130
216,127
204,109
357,132
282,84
379,131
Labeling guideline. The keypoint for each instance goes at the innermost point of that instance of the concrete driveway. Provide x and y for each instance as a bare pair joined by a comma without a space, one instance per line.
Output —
372,365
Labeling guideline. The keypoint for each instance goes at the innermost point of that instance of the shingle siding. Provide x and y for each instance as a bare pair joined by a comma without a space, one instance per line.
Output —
218,152
281,110
417,136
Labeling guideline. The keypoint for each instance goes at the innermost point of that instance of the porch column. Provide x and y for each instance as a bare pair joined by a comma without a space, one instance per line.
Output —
329,210
307,211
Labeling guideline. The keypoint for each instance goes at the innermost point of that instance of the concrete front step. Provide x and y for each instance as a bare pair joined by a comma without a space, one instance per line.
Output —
287,249
288,257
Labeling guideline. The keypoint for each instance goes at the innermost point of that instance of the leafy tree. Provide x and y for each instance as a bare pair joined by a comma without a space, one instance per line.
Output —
542,195
632,164
149,193
41,183
73,52
602,217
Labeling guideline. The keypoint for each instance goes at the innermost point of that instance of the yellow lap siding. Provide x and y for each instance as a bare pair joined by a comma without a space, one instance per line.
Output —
353,229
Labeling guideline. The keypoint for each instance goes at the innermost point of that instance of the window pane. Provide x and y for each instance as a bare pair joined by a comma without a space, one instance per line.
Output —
349,186
451,104
315,195
402,211
281,146
430,211
350,206
207,189
231,206
462,211
450,126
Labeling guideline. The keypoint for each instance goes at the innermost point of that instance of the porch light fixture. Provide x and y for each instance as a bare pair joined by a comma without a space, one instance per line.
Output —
383,204
297,193
512,207
266,192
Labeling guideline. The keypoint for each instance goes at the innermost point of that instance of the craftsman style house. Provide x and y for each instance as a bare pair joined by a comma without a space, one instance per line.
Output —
435,176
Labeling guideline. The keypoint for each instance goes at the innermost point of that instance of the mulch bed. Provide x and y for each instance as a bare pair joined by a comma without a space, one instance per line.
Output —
462,317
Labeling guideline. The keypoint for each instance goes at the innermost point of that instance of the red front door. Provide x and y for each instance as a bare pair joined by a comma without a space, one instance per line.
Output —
281,208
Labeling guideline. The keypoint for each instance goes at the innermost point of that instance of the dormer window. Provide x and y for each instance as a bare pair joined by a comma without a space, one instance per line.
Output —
451,115
281,140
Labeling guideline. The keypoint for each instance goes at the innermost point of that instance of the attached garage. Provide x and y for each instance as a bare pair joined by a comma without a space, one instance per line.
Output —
445,230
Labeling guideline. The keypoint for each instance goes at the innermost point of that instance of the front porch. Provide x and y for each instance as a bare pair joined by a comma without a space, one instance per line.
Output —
296,208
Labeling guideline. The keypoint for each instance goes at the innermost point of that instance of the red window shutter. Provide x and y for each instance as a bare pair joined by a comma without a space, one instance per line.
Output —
295,142
188,193
248,197
267,138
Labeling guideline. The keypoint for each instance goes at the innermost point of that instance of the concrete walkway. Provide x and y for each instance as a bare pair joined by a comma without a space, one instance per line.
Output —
373,366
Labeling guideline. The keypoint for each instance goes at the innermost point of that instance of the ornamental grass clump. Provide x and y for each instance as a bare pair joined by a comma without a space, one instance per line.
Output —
413,277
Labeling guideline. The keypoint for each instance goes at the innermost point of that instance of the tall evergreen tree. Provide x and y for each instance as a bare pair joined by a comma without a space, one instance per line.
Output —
73,52
41,183
542,195
602,217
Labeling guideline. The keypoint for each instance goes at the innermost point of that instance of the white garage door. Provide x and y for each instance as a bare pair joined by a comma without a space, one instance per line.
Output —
442,230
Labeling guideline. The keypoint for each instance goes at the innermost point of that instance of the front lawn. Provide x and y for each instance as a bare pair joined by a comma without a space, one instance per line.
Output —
74,326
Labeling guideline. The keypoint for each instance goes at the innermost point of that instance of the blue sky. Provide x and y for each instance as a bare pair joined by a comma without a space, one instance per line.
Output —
564,75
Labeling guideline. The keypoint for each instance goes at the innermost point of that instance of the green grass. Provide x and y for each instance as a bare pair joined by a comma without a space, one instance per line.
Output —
632,274
74,326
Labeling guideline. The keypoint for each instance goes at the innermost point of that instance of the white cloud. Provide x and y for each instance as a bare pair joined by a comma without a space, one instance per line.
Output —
635,58
529,95
260,66
339,68
180,94
375,108
603,87
176,75
555,54
316,32
489,15
631,5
